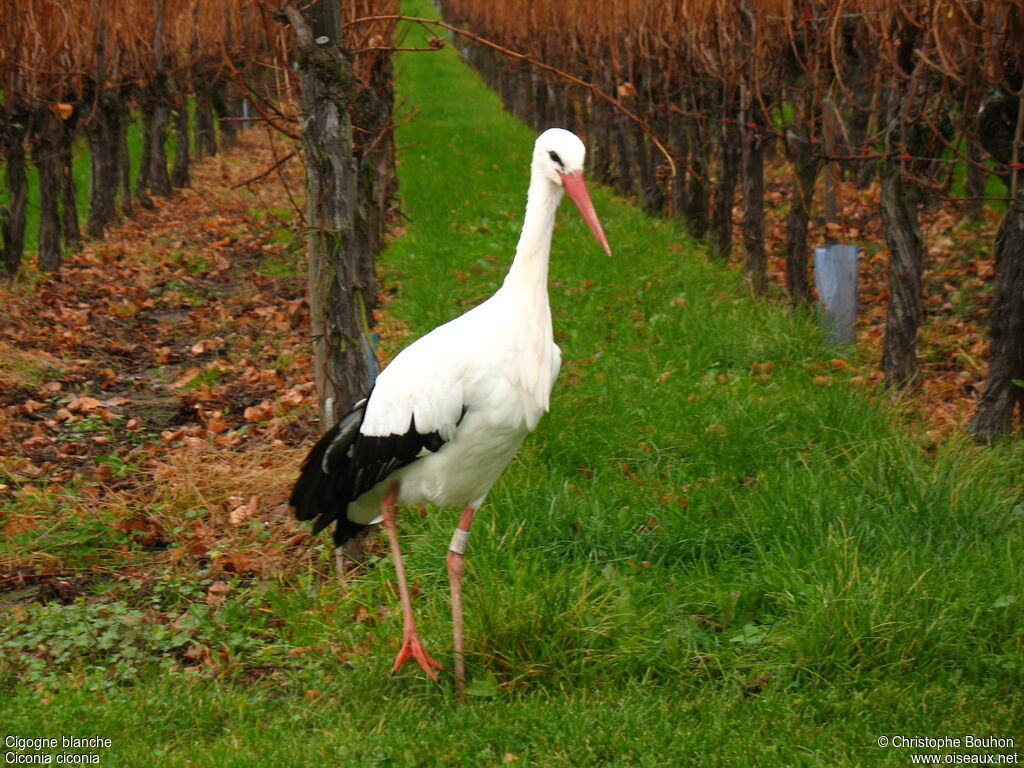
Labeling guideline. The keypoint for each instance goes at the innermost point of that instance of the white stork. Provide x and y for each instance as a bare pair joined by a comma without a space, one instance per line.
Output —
448,414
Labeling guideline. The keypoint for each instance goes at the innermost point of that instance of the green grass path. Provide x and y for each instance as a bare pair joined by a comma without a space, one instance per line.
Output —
714,551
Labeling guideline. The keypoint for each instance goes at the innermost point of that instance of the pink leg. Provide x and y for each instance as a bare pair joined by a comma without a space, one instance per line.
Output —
411,646
456,567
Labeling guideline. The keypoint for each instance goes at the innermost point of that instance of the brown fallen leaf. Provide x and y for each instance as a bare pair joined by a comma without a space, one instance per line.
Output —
19,524
236,562
85,404
63,110
217,592
200,654
260,412
186,377
144,530
103,473
216,423
243,512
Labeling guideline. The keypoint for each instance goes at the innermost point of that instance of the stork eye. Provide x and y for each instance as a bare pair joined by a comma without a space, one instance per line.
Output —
554,156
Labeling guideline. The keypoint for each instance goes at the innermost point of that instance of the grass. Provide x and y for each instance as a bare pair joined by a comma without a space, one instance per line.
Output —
716,549
23,369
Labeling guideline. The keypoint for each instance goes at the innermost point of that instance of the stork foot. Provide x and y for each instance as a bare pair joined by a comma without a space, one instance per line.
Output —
412,648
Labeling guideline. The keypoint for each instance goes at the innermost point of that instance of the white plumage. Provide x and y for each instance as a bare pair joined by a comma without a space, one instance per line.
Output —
450,411
489,391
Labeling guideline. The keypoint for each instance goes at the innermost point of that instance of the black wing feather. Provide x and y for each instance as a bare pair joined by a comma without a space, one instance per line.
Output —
345,464
320,493
374,458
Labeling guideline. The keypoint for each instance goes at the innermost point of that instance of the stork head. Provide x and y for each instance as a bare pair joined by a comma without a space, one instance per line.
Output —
558,156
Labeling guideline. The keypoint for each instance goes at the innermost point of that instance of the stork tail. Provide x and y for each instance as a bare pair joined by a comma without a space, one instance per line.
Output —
321,493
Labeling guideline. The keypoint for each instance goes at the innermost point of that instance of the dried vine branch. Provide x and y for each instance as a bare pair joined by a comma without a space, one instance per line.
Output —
534,62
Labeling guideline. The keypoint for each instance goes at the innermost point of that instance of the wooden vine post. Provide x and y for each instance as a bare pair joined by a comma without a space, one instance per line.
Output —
101,131
1004,385
13,128
337,296
898,203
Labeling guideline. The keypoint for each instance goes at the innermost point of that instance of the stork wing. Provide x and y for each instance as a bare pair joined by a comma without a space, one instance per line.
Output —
414,408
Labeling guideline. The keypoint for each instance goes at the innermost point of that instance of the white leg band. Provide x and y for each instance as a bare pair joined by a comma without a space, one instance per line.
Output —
460,539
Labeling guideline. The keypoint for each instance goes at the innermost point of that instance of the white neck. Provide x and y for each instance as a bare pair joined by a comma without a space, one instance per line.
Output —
529,270
524,296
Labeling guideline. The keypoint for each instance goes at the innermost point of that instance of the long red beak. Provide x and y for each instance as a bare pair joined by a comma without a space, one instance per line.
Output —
574,187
